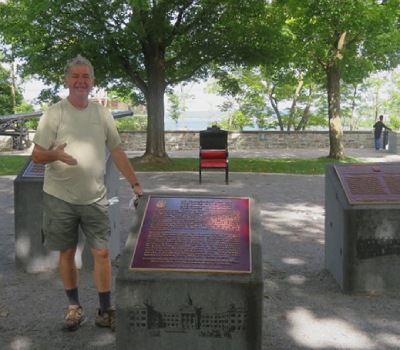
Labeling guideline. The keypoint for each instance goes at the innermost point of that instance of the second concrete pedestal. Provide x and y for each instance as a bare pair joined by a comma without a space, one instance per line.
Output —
362,241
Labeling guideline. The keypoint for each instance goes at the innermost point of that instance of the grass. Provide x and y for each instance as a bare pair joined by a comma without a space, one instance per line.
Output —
12,165
250,165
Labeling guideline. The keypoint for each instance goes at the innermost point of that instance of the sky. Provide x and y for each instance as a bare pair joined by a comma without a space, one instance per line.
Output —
31,89
202,107
199,99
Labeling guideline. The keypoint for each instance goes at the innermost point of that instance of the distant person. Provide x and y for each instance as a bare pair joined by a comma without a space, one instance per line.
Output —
72,139
379,126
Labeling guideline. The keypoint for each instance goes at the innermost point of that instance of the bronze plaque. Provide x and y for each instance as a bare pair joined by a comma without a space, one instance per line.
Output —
194,234
370,183
34,170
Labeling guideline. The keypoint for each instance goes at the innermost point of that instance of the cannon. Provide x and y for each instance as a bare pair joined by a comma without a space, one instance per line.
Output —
13,125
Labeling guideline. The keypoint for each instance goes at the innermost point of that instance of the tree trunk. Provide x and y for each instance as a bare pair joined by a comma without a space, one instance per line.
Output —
353,121
335,124
274,104
155,142
306,113
13,88
293,108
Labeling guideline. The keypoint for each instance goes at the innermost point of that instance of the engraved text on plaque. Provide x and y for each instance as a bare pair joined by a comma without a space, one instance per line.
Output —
194,234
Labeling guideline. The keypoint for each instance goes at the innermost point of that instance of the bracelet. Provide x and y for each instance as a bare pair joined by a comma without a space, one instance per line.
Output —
135,184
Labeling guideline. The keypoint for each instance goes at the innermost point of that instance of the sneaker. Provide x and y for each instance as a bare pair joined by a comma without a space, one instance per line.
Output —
74,317
106,319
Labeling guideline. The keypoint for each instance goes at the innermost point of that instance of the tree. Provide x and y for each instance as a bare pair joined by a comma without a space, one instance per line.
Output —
259,94
178,101
175,110
347,40
392,103
246,93
145,44
11,99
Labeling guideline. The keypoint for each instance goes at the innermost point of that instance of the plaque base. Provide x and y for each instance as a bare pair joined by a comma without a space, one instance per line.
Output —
169,309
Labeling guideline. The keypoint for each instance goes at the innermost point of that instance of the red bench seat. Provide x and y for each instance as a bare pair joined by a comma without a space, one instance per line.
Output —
214,158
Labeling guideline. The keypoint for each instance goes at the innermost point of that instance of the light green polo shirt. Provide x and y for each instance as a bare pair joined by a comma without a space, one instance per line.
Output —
88,134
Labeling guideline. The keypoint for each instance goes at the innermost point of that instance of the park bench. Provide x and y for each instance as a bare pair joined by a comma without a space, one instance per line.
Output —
214,151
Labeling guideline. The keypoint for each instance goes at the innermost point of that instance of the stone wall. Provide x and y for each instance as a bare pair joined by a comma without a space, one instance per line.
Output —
189,140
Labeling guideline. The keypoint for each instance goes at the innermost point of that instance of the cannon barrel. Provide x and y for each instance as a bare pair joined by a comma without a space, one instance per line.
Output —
122,114
21,116
13,125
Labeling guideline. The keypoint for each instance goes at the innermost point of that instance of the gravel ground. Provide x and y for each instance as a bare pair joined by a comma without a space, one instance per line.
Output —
303,306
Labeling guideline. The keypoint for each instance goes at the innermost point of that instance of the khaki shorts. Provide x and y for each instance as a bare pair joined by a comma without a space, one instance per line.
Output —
62,220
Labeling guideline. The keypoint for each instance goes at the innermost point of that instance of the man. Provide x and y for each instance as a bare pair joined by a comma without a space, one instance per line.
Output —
378,126
72,138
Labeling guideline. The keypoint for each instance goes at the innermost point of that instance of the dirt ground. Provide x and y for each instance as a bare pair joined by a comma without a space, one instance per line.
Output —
303,306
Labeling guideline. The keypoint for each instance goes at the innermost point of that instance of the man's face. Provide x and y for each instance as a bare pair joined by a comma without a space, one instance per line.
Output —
79,81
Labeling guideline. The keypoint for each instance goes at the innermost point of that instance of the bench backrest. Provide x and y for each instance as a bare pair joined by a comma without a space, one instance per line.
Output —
213,138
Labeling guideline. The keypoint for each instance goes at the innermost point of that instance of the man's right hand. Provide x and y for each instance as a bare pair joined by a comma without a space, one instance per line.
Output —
44,156
63,156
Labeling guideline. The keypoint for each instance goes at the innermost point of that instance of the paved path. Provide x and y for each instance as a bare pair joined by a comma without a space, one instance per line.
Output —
303,306
368,154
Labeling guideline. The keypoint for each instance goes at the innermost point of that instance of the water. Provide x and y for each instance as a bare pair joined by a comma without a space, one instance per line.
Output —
199,120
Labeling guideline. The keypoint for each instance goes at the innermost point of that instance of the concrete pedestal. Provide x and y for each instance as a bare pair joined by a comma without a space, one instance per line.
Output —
394,142
362,242
30,254
169,310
